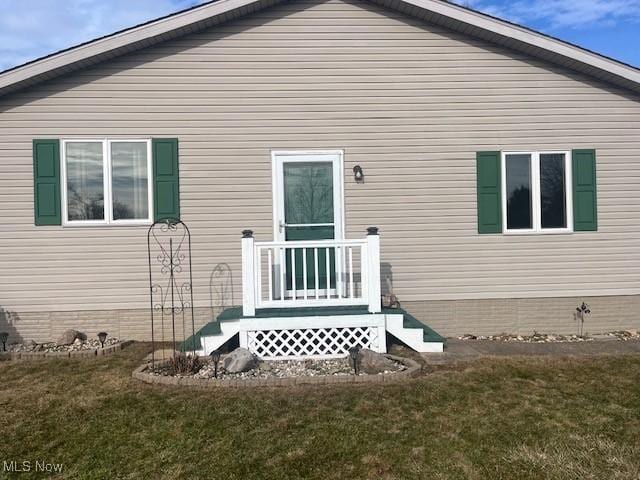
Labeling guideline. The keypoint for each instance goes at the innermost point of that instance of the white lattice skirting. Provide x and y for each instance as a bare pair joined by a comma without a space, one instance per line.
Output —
311,342
316,339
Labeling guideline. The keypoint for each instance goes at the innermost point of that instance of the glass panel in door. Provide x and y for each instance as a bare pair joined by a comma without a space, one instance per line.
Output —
309,215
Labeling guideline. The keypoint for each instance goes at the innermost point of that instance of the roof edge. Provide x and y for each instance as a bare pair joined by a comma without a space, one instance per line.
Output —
145,33
528,36
470,21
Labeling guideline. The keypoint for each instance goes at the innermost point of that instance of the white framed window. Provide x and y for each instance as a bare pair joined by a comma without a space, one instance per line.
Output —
537,190
106,182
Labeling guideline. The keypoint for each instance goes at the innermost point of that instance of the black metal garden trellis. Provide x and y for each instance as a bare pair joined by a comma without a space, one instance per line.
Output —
171,284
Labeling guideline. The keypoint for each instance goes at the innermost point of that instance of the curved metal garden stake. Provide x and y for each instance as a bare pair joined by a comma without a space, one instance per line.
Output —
582,310
170,284
220,288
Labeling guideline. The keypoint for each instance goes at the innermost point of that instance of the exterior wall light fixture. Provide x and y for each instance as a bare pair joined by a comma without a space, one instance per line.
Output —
358,174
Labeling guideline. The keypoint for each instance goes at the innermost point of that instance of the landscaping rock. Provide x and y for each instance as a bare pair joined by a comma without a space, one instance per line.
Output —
625,335
240,360
68,337
373,362
80,344
265,367
535,338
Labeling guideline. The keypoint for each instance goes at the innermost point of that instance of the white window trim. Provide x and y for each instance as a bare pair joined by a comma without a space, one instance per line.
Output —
106,175
535,187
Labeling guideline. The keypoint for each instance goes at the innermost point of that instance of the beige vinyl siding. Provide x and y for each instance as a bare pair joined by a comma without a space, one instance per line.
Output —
409,102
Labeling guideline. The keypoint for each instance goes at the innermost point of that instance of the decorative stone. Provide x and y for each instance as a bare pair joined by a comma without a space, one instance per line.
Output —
373,362
80,346
288,371
239,361
283,373
68,337
265,366
539,338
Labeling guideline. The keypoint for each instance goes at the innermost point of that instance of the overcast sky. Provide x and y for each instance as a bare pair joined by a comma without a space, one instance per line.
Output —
32,28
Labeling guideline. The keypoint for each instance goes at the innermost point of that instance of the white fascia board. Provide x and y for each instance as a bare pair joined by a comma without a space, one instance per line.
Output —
505,29
120,41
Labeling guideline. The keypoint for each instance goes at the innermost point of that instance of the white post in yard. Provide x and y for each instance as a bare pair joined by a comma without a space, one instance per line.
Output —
248,275
373,270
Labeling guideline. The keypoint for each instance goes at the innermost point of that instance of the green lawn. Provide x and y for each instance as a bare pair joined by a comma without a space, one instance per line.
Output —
492,419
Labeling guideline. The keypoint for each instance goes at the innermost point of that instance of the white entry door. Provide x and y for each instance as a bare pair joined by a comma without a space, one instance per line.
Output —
308,205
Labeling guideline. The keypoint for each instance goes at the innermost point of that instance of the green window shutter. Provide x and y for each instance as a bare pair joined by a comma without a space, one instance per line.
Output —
46,182
488,173
585,198
166,181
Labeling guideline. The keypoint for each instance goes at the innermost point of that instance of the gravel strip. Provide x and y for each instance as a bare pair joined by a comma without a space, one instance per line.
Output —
89,344
625,335
622,335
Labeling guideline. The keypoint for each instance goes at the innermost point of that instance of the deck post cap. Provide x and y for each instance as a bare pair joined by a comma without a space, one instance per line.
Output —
247,233
372,231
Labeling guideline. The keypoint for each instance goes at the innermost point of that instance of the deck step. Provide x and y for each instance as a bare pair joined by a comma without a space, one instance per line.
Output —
399,323
415,334
214,334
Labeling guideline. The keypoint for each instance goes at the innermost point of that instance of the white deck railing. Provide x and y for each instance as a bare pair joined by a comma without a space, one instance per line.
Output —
319,273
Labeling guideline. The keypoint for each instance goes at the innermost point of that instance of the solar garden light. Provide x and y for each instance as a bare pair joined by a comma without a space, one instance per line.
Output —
583,310
3,338
102,336
354,353
215,358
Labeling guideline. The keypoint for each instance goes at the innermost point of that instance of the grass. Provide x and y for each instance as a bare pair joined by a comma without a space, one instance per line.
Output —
492,419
